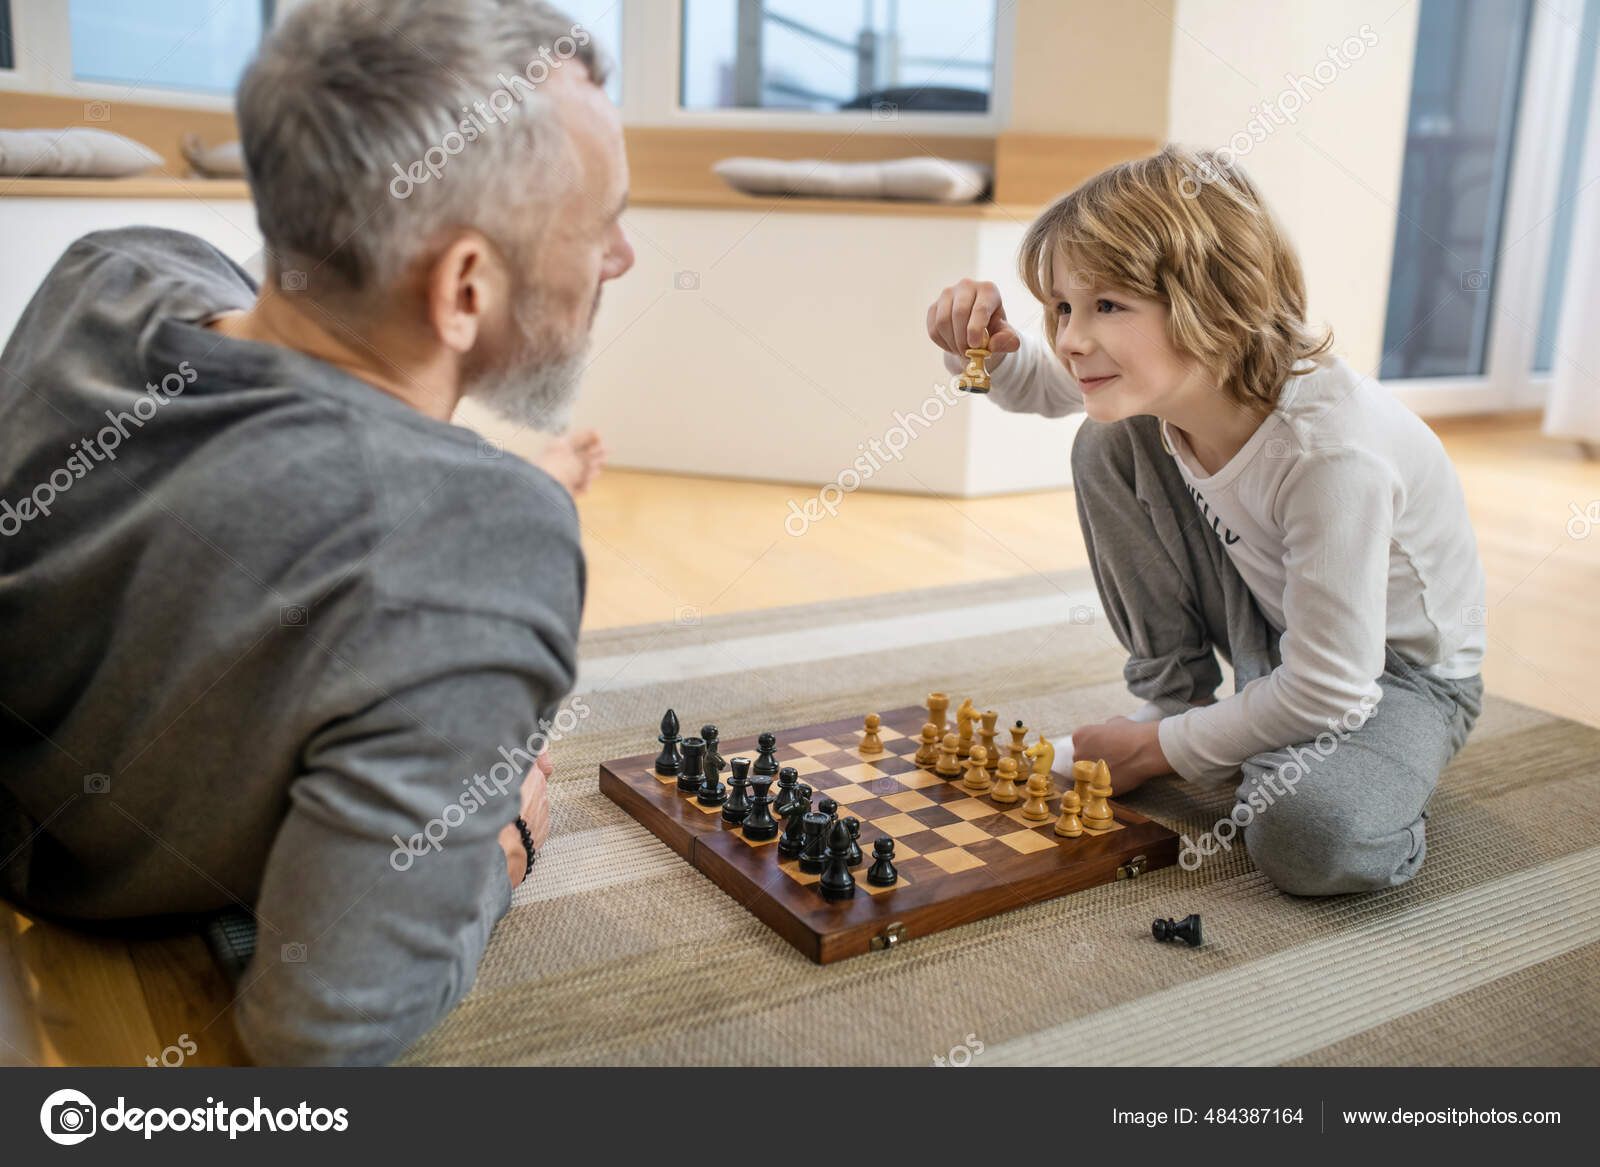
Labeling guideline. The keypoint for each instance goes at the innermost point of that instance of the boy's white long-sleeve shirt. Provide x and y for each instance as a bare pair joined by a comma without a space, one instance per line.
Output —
1346,519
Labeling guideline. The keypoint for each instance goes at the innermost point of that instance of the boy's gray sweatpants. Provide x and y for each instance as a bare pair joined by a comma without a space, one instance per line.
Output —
1355,820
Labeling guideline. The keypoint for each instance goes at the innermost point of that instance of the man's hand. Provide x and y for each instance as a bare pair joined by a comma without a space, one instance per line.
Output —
1131,749
574,459
536,812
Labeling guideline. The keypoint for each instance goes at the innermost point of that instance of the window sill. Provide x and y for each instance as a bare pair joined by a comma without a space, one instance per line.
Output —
136,187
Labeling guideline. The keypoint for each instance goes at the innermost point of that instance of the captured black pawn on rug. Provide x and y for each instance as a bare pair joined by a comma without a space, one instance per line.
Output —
667,759
738,804
1187,930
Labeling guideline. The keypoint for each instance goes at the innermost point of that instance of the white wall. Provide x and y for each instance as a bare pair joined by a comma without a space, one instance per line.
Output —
1333,176
37,231
802,340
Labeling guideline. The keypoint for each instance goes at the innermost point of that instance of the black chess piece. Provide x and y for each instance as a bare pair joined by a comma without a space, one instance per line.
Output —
766,755
711,792
788,779
714,762
811,853
694,752
738,804
759,825
1187,930
794,831
830,808
837,882
667,759
882,873
853,826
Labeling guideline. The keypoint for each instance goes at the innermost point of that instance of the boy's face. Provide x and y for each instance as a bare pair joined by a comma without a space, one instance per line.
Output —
1116,348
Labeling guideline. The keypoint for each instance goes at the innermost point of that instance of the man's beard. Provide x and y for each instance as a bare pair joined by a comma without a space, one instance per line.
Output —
534,385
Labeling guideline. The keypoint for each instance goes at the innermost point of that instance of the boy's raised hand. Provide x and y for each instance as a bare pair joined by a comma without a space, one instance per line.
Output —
961,315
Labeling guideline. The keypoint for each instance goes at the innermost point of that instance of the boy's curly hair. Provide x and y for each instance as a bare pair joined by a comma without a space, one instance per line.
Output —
1193,233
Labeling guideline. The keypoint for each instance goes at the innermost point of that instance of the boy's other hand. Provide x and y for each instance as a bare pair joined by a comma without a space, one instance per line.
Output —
1130,749
964,312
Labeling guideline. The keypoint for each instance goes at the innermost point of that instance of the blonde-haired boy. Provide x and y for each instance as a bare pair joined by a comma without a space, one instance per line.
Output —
1241,491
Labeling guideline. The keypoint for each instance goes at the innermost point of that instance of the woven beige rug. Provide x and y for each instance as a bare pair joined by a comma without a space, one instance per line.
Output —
618,952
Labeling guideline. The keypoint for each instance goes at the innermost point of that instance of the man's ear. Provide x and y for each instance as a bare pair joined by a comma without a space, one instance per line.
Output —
465,286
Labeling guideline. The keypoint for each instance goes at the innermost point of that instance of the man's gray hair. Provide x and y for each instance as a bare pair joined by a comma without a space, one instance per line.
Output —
371,126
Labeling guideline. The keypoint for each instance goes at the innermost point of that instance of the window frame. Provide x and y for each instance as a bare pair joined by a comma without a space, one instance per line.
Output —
1509,381
652,86
41,33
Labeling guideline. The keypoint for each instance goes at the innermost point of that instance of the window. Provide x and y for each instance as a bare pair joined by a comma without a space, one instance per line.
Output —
1567,189
602,20
1454,179
200,45
828,55
7,61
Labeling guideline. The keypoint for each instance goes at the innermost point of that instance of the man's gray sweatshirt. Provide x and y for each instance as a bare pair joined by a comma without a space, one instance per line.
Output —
269,637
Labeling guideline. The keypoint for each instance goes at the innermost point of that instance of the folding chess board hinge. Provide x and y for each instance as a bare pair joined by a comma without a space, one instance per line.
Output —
1133,868
889,937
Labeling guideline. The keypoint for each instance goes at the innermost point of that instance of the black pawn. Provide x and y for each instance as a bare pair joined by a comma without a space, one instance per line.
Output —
794,831
667,759
811,854
1187,930
830,808
738,804
853,826
766,755
759,825
837,882
788,779
714,762
882,873
694,752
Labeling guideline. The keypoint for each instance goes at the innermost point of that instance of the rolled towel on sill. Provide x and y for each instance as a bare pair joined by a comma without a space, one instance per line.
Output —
938,180
225,161
72,153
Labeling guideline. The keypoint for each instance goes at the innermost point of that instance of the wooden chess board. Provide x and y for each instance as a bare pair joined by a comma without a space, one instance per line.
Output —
961,856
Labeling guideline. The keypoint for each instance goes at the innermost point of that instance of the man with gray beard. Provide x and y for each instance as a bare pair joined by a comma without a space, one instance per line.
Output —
288,640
